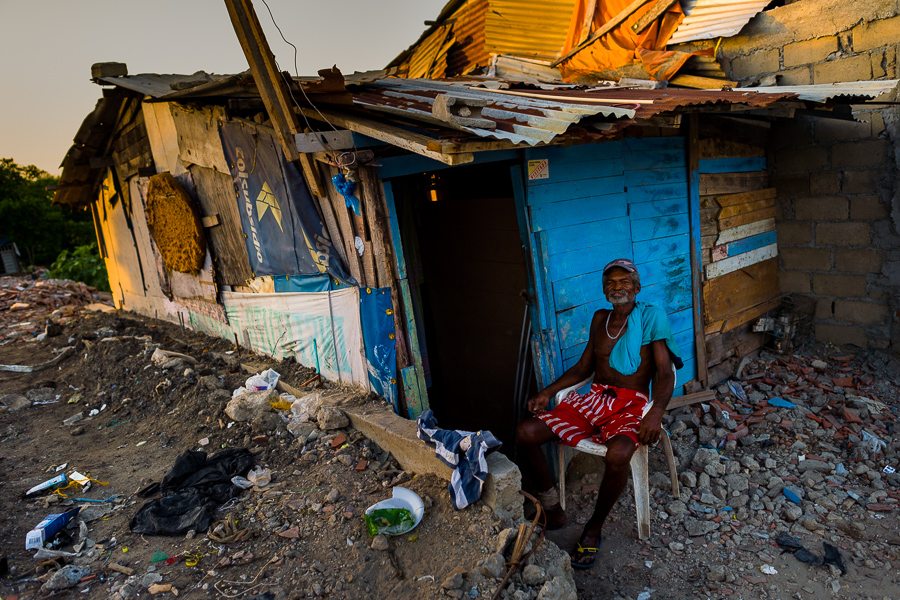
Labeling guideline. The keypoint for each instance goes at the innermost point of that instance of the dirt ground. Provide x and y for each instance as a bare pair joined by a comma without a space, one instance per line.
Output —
306,537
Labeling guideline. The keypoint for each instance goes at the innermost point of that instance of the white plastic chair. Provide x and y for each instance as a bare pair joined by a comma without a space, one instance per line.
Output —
639,466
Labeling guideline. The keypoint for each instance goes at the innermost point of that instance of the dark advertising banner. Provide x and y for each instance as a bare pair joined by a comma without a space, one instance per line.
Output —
283,231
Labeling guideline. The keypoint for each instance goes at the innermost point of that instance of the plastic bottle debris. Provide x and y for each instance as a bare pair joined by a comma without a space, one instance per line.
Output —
738,391
889,469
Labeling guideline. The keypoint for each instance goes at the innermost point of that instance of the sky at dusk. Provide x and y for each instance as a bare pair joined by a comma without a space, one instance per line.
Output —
48,47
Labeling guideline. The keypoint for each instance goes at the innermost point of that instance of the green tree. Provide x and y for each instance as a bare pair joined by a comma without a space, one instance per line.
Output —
40,230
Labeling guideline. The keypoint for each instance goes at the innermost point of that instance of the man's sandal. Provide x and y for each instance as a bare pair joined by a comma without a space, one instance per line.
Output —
581,552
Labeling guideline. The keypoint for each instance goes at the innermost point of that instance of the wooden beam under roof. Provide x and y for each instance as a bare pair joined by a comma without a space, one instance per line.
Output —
390,134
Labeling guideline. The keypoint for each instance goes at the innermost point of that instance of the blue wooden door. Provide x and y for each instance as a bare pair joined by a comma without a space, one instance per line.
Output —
598,202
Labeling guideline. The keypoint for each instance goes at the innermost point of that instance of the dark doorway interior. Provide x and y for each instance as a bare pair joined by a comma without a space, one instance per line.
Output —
462,244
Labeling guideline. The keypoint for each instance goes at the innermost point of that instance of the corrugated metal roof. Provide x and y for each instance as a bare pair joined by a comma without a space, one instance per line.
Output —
707,19
518,119
829,91
429,59
529,28
183,86
468,29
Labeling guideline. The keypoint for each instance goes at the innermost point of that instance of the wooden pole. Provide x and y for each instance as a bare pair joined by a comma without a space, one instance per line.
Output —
693,141
272,87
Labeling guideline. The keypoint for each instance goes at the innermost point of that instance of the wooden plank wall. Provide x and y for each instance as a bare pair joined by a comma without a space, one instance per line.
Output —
622,199
738,249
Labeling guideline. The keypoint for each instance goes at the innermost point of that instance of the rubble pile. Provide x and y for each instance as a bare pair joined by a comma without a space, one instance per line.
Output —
801,444
27,305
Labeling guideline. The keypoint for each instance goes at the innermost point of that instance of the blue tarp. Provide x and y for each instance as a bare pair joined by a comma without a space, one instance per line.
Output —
283,230
286,284
377,320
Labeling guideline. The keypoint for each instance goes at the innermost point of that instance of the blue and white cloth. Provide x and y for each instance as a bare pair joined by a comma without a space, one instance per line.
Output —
462,451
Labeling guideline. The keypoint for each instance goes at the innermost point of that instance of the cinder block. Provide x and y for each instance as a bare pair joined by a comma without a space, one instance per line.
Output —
836,130
791,185
821,208
796,282
842,234
792,133
884,62
841,334
859,154
841,286
876,119
806,259
854,68
754,65
858,261
868,208
794,233
875,34
804,160
809,51
798,76
824,309
862,313
864,181
825,182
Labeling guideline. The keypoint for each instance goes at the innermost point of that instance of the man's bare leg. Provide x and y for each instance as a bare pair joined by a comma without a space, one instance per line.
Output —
619,451
530,435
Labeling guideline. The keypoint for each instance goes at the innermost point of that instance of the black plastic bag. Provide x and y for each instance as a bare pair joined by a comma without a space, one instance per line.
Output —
192,490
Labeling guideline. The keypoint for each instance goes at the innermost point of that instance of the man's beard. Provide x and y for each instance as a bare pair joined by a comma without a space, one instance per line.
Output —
620,298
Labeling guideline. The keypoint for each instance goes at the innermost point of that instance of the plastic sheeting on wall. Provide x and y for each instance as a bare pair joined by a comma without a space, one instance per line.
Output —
377,316
321,328
283,229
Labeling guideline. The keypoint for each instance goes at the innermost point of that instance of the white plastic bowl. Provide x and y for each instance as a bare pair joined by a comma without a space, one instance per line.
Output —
403,498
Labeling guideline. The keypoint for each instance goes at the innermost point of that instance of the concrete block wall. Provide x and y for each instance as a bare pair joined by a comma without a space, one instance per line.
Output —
838,206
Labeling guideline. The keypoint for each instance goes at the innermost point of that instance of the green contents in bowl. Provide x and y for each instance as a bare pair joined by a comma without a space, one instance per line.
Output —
390,521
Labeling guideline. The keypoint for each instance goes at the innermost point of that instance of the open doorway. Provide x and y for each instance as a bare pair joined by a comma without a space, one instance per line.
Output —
468,278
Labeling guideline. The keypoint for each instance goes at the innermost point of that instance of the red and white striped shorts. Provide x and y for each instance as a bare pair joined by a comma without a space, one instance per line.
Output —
602,413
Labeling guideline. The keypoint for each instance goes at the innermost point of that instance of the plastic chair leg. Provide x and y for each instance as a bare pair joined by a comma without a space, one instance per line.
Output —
670,459
561,458
640,477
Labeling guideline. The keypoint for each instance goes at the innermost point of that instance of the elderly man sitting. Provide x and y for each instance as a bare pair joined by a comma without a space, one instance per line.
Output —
628,347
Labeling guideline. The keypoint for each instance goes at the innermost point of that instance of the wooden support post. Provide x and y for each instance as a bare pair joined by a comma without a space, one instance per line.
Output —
693,141
393,242
272,87
342,216
370,192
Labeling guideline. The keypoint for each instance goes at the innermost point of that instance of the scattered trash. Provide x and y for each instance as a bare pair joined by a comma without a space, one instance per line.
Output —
737,390
395,516
159,556
192,490
791,495
832,555
259,478
780,403
65,578
61,467
44,531
50,483
167,360
267,380
889,469
74,419
769,570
